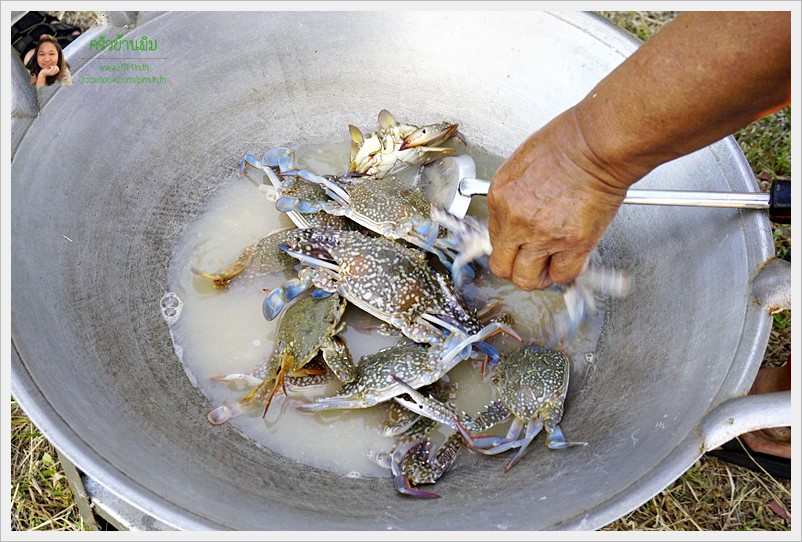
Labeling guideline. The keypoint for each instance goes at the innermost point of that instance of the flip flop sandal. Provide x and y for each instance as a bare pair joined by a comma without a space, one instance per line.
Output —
738,453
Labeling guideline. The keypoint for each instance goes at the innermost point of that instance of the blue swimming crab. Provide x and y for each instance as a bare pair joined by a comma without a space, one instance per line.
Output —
531,384
275,164
469,239
389,281
413,459
382,205
419,462
397,146
308,327
419,364
257,259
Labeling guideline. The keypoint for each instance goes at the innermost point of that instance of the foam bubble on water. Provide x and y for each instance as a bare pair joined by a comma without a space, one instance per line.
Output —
353,474
171,307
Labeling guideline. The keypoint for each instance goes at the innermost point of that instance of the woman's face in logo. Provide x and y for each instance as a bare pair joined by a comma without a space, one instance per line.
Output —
48,55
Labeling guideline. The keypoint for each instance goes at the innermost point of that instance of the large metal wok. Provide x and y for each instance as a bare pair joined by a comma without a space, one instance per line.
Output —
107,175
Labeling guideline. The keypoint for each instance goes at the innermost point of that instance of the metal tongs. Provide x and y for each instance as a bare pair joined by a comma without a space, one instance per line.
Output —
451,182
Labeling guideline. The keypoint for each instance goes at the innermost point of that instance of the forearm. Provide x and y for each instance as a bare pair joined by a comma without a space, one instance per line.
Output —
702,77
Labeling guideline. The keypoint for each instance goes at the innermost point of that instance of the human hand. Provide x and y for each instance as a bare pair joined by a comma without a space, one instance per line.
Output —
50,70
550,203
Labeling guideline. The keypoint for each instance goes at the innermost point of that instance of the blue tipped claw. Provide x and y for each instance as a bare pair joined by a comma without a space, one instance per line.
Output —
320,294
276,300
285,204
429,230
280,157
248,160
489,351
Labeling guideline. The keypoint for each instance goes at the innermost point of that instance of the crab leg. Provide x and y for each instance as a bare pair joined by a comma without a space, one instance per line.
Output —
332,189
478,340
345,402
425,406
556,439
247,379
310,261
223,278
533,427
493,445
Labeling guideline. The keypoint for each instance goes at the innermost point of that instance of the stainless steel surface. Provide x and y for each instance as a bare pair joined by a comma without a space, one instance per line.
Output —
458,171
107,176
744,414
692,198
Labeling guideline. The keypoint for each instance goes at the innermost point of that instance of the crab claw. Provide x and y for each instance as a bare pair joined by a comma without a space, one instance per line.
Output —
400,479
280,157
247,379
458,345
285,204
433,134
248,160
306,259
491,329
382,459
483,444
468,237
277,299
580,299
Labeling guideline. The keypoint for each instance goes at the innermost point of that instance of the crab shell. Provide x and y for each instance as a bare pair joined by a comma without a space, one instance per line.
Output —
262,258
389,281
385,206
374,384
306,328
532,383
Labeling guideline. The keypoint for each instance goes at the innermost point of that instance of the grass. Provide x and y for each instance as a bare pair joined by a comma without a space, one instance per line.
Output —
41,498
712,495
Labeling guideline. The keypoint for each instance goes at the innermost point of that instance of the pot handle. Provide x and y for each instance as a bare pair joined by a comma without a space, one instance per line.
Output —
771,288
742,415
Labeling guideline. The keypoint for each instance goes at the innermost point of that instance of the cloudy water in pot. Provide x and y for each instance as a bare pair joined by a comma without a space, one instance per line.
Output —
222,331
